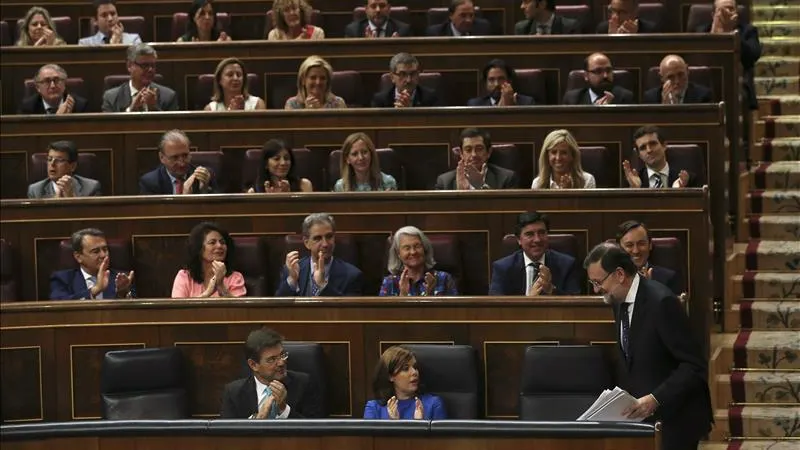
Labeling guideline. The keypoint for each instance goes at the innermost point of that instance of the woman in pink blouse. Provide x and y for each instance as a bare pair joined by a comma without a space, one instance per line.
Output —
208,271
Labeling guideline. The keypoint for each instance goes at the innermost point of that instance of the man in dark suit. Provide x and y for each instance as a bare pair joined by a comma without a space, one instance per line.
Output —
51,95
541,19
634,237
272,391
61,181
473,170
500,79
319,274
378,23
140,94
535,269
599,76
93,279
177,175
664,367
726,20
656,173
462,22
406,91
623,19
676,88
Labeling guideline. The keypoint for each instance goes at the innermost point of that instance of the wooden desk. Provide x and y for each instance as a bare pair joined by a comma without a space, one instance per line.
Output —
459,60
52,351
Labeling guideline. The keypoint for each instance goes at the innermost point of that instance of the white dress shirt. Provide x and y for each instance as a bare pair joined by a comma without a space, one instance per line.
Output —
529,271
588,182
90,284
630,299
664,173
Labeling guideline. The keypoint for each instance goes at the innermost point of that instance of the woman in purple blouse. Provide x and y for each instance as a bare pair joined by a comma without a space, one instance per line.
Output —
411,267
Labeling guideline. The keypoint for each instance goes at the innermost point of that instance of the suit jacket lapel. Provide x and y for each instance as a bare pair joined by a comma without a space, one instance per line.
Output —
586,99
248,397
123,97
639,312
558,27
643,176
492,177
47,189
519,273
305,271
673,175
79,284
77,186
111,290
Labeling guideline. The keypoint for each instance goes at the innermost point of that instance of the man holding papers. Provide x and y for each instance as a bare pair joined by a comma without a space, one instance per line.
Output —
664,365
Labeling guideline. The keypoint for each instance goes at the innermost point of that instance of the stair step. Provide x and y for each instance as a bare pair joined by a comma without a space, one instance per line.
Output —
767,285
758,421
779,149
765,315
778,105
777,85
784,126
776,175
780,46
778,28
758,387
775,227
779,256
773,202
769,350
776,66
754,444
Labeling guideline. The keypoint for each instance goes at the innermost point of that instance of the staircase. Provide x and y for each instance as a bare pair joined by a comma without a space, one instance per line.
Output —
755,362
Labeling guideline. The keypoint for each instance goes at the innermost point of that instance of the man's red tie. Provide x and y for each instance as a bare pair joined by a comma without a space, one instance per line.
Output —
178,186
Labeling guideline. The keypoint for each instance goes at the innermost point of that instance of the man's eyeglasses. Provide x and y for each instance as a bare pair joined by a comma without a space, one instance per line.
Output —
599,284
56,161
602,70
178,157
49,81
145,66
412,74
273,359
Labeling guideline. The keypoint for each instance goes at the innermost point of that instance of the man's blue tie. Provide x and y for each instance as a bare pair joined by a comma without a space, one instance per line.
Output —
626,327
273,410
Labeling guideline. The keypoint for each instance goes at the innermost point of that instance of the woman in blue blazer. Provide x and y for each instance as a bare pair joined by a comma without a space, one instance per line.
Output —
398,394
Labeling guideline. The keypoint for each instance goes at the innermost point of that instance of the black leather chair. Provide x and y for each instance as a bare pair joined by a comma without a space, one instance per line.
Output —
144,384
560,382
451,372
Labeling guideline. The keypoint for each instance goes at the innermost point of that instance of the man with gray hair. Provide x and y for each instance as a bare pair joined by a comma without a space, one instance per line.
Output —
319,274
51,95
177,175
406,91
140,93
93,279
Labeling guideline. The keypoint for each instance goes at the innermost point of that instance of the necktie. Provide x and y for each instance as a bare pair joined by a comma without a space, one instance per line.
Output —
541,29
90,283
51,110
626,327
532,271
178,186
657,181
314,287
273,410
106,39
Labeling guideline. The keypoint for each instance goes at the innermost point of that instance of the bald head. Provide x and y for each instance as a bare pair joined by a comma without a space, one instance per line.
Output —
673,69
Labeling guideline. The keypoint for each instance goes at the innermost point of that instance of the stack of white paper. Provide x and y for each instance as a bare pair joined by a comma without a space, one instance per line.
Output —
609,407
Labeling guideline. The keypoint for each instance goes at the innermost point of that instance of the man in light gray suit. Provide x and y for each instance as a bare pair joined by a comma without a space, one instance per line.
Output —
109,29
61,181
140,93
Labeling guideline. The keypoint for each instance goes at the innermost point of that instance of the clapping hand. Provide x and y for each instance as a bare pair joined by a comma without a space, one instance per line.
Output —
313,102
277,186
403,99
116,33
64,187
279,393
102,278
223,37
507,95
391,408
263,412
683,179
631,175
668,93
293,266
319,271
629,27
419,411
462,183
405,283
237,103
200,174
646,272
606,99
67,106
476,177
48,38
123,281
430,283
564,182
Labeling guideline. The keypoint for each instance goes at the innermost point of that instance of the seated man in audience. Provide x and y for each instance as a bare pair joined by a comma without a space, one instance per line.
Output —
634,237
462,22
473,170
499,79
406,91
535,269
320,274
177,175
599,75
140,93
271,391
61,181
378,23
93,279
51,95
109,28
676,88
623,19
656,172
541,19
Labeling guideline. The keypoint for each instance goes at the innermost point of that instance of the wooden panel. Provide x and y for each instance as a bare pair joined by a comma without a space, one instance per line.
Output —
14,172
86,362
21,372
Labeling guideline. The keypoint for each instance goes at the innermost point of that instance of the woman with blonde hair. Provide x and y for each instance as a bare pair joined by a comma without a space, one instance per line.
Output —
360,168
314,86
230,89
560,164
37,29
292,21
